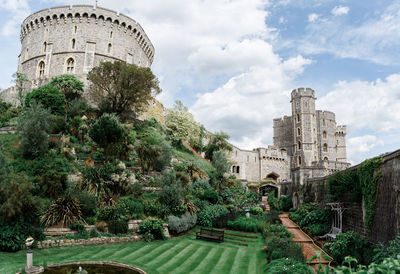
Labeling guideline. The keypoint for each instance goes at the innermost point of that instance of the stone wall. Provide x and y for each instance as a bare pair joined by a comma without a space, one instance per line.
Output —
386,224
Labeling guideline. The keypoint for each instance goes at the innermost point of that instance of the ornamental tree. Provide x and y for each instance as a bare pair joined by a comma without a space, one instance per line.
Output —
122,88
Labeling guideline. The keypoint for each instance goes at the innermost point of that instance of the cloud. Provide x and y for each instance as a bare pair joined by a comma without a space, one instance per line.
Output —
246,104
17,11
312,17
359,146
340,10
376,39
363,105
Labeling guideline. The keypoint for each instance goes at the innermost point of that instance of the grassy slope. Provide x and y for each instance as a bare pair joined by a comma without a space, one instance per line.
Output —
179,255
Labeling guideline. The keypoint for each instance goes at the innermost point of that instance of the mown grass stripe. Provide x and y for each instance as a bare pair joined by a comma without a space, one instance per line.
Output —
240,264
208,262
181,259
222,262
157,251
164,258
138,252
230,261
193,260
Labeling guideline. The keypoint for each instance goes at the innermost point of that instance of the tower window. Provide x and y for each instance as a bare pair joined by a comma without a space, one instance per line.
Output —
298,117
298,131
326,159
299,145
70,66
76,29
325,148
41,69
324,134
44,47
111,34
109,48
299,160
237,169
73,44
323,122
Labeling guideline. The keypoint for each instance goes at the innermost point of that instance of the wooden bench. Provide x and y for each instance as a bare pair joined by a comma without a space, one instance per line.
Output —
210,234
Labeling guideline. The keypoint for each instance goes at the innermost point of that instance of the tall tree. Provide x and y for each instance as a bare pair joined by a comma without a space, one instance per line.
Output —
217,142
122,88
21,82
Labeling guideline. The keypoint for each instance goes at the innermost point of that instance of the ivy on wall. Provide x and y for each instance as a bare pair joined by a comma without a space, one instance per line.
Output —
369,180
357,184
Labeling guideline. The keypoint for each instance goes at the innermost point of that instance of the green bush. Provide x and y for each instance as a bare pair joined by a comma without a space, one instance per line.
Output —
207,216
287,266
77,226
274,230
285,203
390,250
256,211
13,236
133,208
346,244
388,265
117,226
93,233
244,224
210,195
151,229
88,203
152,207
278,248
181,224
112,213
50,97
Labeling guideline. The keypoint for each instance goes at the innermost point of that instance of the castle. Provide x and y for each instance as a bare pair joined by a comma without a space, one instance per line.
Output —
307,144
73,40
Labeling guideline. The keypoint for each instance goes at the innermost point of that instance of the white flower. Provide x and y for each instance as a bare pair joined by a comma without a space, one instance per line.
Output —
115,177
121,165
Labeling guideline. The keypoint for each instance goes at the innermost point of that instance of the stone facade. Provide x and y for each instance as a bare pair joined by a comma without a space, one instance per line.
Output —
74,39
307,144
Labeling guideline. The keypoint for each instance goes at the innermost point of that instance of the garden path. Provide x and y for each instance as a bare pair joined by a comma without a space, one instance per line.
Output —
308,245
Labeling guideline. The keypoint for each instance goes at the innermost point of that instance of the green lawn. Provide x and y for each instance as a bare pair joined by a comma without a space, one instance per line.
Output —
179,255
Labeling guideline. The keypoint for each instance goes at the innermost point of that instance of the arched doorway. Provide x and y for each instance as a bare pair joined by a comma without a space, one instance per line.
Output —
265,189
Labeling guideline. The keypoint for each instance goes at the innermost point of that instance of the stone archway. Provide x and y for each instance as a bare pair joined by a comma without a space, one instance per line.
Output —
267,188
273,176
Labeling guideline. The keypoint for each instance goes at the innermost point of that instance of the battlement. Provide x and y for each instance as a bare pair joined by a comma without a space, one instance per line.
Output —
303,92
324,114
282,121
341,130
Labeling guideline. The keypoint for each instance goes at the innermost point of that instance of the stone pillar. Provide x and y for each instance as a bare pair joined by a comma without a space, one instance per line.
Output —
29,258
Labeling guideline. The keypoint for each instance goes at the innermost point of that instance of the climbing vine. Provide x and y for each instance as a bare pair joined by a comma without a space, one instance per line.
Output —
368,182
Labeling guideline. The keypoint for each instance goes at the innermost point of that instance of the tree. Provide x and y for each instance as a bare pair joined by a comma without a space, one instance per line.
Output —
20,81
34,125
218,142
107,132
181,121
221,165
50,97
65,211
122,87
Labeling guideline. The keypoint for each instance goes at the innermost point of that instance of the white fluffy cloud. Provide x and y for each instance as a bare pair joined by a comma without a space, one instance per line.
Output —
17,11
313,17
340,10
358,146
245,106
366,105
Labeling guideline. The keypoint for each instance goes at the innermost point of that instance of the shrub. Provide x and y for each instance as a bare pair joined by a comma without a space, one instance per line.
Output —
222,221
101,226
283,248
288,266
244,224
12,237
117,227
64,211
256,210
152,207
210,195
279,231
210,213
346,244
133,208
285,203
88,203
49,96
390,250
77,226
112,213
153,227
181,224
93,233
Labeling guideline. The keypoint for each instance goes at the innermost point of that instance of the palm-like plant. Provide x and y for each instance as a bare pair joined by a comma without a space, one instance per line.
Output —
64,211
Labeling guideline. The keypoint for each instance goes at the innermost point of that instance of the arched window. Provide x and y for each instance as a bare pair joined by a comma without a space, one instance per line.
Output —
299,145
326,159
324,134
298,131
109,48
237,169
70,66
44,47
73,43
298,117
233,169
325,148
299,160
41,69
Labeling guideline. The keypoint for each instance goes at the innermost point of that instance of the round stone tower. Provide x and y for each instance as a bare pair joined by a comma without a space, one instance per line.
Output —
74,39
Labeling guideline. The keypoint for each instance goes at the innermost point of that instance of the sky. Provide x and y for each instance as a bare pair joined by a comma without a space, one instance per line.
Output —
235,62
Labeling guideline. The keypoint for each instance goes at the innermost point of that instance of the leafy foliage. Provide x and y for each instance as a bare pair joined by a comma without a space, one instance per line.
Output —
181,224
122,87
49,96
278,248
276,230
64,211
34,124
287,266
210,213
152,229
13,236
7,112
346,244
389,250
217,142
118,226
68,85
